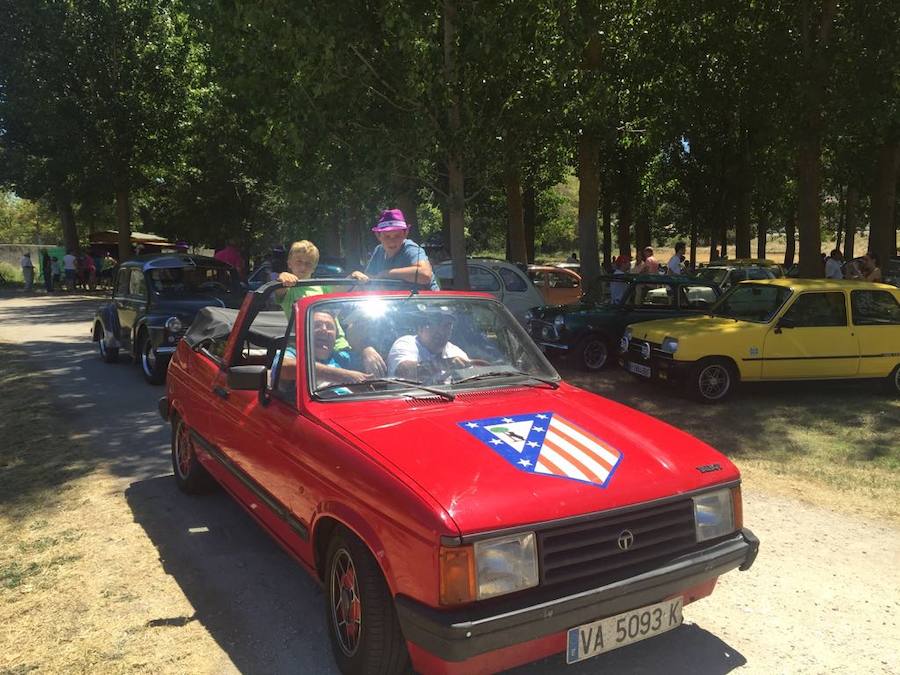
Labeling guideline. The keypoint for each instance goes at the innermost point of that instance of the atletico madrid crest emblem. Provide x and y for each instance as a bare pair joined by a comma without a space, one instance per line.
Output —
545,443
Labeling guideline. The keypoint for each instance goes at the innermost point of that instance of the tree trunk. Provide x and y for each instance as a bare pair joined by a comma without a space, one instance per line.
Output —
512,182
123,224
408,203
456,196
790,241
743,203
529,215
815,34
353,243
842,217
67,220
723,233
851,206
588,202
641,230
331,239
606,210
693,242
762,232
809,168
624,224
713,245
882,236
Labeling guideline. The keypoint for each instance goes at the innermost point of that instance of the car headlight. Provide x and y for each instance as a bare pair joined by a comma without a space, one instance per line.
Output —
529,316
559,322
670,345
489,568
628,333
173,324
714,514
505,565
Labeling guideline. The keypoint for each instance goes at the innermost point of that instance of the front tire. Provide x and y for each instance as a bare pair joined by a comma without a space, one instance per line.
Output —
592,353
362,622
152,366
712,380
190,476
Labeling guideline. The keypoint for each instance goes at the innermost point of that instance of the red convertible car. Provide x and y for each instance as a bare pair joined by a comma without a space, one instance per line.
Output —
464,509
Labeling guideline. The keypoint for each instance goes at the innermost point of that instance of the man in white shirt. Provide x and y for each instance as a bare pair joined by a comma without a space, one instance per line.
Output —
27,271
675,266
69,267
833,265
428,354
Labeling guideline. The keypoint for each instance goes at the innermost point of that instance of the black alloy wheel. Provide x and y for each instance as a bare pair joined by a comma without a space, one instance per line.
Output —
362,622
107,353
712,380
152,366
593,353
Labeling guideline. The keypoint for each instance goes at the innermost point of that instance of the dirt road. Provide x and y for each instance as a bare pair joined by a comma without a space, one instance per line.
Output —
145,579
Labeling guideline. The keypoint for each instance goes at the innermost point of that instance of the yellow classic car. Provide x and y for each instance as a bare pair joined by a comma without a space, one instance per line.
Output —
774,329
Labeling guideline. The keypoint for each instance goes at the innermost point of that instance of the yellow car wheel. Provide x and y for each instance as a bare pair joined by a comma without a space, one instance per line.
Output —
712,380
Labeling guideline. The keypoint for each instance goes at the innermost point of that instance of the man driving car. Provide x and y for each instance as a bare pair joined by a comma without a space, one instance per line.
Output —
429,353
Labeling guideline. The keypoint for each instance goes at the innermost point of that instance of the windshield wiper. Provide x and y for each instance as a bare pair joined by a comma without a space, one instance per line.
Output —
394,380
508,373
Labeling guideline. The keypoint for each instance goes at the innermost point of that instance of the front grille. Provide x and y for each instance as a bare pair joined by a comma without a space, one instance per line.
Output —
590,549
636,349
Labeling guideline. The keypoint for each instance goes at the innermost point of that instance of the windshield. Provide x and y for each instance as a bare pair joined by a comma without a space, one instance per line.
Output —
714,276
191,280
751,302
370,346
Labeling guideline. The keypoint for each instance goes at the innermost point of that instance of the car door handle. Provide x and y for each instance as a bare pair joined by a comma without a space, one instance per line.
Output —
221,392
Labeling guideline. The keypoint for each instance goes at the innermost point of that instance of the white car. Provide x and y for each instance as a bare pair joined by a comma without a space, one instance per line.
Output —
502,279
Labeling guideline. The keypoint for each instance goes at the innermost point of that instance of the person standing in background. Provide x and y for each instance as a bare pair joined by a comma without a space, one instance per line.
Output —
69,268
47,271
27,271
651,266
676,262
833,265
232,255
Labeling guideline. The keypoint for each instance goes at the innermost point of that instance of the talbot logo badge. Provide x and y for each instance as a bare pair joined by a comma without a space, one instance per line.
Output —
626,539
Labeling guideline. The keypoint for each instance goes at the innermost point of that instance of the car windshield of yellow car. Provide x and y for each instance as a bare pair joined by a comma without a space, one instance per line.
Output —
751,302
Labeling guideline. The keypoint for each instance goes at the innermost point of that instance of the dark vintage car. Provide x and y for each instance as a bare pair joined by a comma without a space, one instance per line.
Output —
589,331
154,300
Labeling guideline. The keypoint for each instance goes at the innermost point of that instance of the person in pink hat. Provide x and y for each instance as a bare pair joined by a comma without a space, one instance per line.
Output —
397,257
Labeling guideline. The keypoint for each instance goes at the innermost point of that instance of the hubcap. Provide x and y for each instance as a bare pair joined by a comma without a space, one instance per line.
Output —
148,359
714,381
346,606
595,354
184,451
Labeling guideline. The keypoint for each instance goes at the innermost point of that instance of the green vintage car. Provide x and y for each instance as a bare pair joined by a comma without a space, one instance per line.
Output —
588,332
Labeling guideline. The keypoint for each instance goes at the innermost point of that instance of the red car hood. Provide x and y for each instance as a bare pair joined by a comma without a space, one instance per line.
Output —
447,449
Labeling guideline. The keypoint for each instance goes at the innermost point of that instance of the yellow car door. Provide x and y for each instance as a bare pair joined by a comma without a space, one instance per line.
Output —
876,322
812,340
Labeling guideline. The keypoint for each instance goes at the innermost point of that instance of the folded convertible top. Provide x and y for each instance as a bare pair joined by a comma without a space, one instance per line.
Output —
215,323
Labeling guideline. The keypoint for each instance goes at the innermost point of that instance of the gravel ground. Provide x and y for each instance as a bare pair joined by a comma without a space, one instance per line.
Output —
142,592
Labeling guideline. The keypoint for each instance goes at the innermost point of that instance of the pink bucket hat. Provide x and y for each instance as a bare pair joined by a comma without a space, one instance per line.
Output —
392,219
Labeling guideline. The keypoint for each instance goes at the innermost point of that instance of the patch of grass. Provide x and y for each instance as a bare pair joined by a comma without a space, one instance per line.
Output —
33,470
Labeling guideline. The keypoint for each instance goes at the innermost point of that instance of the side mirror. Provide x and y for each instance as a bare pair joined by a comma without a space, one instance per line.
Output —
247,378
784,323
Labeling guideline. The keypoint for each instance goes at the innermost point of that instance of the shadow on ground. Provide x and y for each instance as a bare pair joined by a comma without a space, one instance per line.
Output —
767,420
267,614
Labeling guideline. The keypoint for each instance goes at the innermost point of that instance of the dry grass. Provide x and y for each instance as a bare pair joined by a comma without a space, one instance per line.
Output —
80,583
